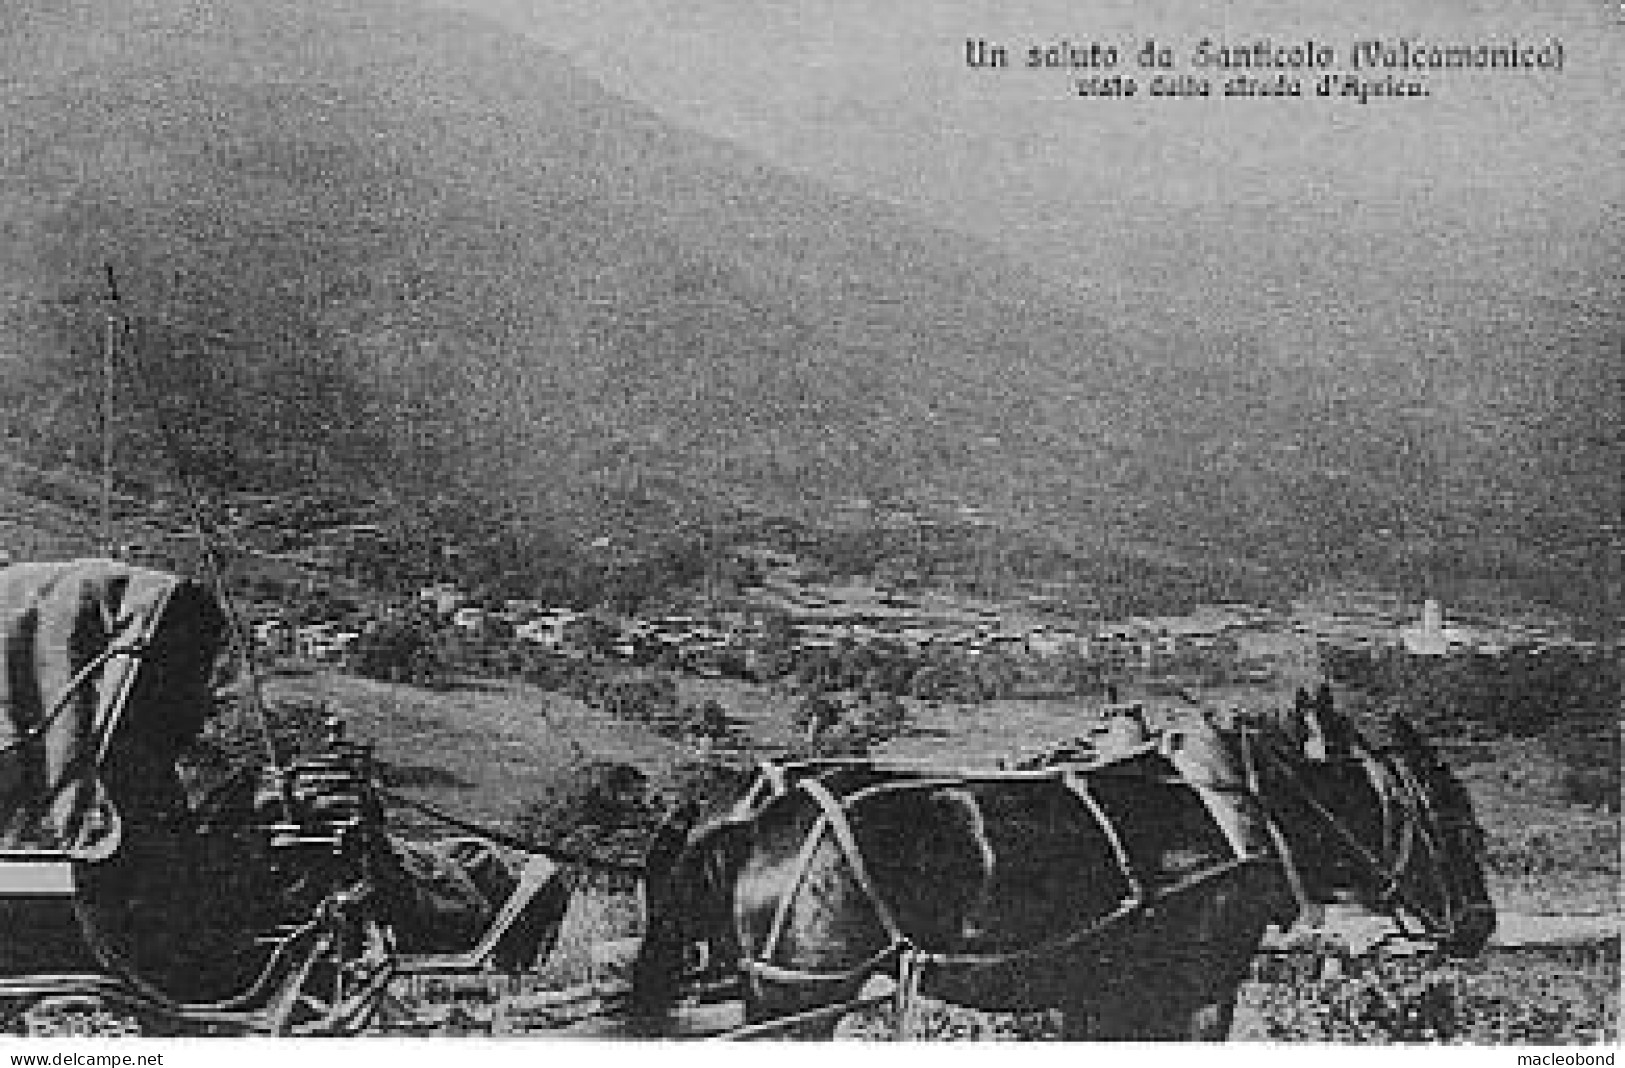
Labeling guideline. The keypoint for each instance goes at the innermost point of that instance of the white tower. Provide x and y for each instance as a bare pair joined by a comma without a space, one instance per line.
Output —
1432,618
1428,638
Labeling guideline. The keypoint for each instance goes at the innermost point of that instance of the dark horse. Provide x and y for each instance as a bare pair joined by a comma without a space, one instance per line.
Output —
1380,820
1131,893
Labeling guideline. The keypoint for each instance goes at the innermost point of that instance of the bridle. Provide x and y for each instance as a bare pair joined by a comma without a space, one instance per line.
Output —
1388,870
1432,829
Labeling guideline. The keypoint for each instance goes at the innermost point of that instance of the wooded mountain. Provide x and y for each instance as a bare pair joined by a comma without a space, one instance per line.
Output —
387,249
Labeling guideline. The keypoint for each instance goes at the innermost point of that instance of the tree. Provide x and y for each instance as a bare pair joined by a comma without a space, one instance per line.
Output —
708,722
816,715
401,648
593,807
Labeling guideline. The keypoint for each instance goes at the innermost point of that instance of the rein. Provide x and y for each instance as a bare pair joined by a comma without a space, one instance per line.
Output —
561,856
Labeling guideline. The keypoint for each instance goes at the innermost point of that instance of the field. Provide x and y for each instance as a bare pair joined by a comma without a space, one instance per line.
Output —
483,750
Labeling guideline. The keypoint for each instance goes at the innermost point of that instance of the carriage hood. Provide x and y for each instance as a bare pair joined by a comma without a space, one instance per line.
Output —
104,676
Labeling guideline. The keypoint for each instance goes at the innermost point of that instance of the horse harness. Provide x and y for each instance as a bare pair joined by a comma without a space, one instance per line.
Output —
901,949
1417,829
912,960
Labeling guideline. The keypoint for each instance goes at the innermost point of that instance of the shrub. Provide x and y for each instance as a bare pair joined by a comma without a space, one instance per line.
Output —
401,649
884,717
233,740
712,785
1590,754
707,722
650,699
816,715
1519,997
595,806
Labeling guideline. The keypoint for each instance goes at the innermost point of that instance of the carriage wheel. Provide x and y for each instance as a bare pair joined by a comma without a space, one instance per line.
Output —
77,1016
336,985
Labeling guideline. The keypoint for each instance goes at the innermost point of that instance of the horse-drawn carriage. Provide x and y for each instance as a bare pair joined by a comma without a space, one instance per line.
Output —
280,904
1128,887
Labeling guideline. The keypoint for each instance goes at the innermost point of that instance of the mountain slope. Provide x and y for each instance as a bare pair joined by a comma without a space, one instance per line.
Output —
377,248
379,230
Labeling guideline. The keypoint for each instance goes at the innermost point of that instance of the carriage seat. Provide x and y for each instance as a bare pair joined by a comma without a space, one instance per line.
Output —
38,888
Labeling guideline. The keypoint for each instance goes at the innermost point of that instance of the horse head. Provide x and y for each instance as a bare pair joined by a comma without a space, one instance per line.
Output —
1389,825
1446,887
687,881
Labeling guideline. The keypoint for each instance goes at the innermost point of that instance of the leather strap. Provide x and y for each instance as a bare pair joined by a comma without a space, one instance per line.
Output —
835,813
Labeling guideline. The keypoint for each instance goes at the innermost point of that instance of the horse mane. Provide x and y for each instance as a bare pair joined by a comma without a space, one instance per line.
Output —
1446,809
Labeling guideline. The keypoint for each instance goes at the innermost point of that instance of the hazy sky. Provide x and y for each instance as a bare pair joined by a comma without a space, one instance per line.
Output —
877,97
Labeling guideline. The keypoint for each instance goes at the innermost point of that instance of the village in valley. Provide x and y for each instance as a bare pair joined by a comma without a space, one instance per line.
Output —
787,612
763,611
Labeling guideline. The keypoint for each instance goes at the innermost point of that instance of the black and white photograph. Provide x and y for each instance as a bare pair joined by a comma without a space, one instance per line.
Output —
651,524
